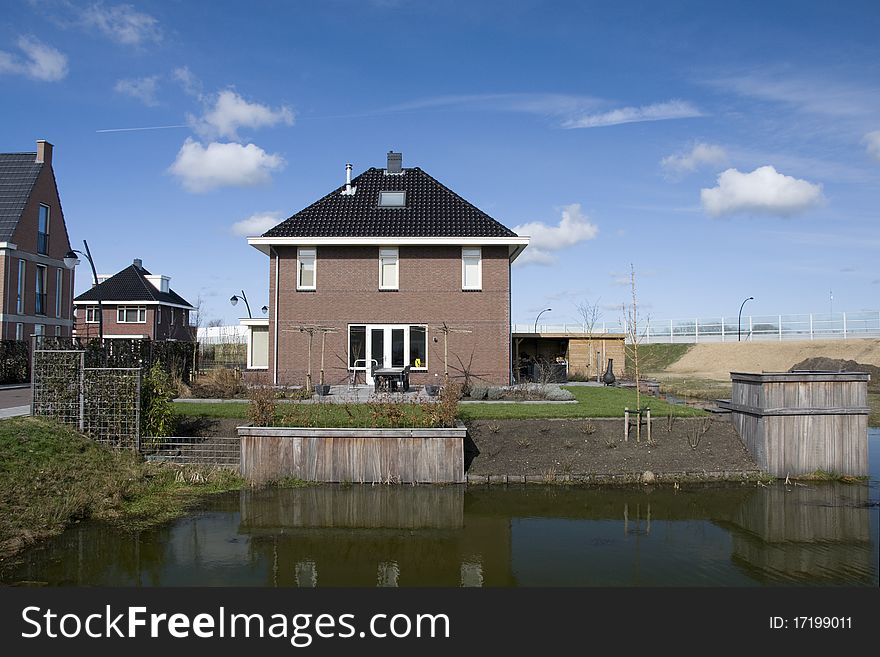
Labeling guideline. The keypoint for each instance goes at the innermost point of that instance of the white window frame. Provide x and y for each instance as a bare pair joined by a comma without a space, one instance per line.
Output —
58,331
121,311
171,318
469,253
389,252
19,331
39,329
307,251
407,355
59,286
158,315
93,311
22,281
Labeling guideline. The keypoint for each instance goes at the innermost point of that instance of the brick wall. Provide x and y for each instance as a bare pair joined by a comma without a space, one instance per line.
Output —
25,238
347,281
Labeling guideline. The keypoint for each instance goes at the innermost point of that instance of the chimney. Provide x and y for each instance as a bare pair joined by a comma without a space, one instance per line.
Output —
44,152
138,263
395,162
349,190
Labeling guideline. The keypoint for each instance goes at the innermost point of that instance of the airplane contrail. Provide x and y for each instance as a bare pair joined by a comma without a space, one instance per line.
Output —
152,127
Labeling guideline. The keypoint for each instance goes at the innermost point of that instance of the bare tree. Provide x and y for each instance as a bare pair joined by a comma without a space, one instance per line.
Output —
634,336
214,323
196,320
590,314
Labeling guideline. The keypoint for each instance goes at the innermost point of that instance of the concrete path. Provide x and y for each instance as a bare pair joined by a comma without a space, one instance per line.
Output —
15,400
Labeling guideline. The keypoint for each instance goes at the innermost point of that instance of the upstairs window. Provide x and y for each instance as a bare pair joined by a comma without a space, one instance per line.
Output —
171,313
471,269
19,300
388,268
40,299
392,199
43,230
131,315
59,283
92,315
305,268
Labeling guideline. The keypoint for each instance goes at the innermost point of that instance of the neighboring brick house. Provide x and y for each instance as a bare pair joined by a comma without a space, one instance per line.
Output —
136,304
385,261
36,289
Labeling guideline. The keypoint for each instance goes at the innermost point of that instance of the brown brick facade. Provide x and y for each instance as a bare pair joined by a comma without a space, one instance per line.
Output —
25,237
157,327
430,281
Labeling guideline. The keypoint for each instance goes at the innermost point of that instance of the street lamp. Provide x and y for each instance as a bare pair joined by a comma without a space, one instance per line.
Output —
234,299
546,310
739,319
265,309
71,261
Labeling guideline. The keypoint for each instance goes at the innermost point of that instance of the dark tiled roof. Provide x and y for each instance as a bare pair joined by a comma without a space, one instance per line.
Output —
130,285
18,173
432,210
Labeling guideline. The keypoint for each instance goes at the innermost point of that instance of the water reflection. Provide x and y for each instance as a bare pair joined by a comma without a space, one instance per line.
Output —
452,536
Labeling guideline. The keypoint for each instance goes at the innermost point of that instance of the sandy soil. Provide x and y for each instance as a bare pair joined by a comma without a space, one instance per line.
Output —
717,360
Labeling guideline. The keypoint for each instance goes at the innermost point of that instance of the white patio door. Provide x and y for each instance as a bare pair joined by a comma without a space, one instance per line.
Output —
387,345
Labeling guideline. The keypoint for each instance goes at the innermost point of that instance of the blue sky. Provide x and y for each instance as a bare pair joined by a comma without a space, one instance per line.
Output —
722,149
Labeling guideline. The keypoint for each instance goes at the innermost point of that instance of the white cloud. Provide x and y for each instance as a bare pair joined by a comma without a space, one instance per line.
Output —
122,24
763,191
673,109
188,81
574,227
256,224
872,141
231,112
39,61
202,168
701,154
142,89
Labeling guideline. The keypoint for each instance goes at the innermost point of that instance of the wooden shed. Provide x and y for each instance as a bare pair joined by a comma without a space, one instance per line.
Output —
584,354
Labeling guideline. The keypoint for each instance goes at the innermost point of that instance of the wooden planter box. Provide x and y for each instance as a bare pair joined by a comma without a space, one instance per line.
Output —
353,455
795,423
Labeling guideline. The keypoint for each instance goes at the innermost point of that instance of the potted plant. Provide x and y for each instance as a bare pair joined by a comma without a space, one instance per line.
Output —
432,389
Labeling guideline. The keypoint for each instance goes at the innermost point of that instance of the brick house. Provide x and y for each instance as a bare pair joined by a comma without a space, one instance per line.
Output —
36,288
385,261
136,304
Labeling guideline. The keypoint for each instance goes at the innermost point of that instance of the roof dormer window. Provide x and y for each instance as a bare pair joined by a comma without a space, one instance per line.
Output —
392,199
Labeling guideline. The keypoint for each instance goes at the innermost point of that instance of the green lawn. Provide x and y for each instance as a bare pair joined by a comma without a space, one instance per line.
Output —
592,402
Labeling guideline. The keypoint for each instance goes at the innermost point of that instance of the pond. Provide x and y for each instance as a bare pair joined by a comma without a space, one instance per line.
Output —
735,535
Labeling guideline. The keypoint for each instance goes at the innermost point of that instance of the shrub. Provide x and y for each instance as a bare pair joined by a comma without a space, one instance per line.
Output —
479,392
157,418
262,406
555,393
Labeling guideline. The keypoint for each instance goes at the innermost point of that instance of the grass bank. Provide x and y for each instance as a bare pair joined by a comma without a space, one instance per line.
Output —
591,402
52,476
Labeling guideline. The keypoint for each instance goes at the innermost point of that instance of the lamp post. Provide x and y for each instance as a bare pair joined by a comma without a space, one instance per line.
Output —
739,319
71,261
546,310
234,299
265,309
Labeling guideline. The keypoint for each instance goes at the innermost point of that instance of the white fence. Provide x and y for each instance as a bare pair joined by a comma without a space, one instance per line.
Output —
812,326
222,334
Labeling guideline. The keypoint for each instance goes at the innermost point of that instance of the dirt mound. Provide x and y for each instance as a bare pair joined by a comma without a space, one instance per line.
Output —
718,360
840,365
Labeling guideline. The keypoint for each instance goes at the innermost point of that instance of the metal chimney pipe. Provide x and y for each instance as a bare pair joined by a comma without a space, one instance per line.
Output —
348,178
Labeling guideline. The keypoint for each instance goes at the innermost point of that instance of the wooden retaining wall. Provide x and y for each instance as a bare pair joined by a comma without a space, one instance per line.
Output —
353,455
795,423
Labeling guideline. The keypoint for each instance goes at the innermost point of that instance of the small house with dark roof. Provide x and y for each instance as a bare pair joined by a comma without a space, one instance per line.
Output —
36,287
135,304
396,270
